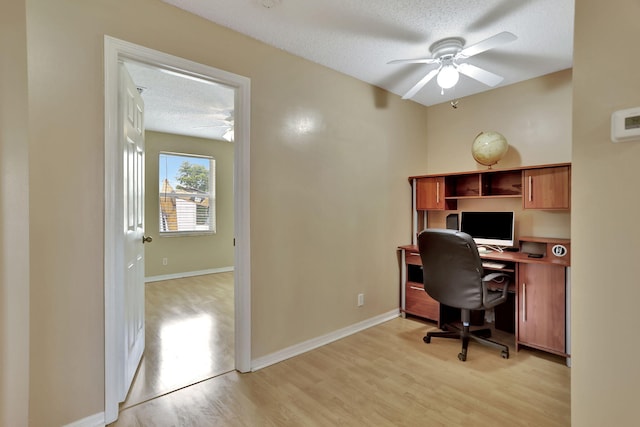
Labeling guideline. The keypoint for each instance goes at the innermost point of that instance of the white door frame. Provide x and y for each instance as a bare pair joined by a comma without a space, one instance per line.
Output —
114,51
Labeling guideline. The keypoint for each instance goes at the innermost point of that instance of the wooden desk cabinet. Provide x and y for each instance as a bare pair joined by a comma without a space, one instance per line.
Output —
541,286
539,187
540,290
430,194
415,300
541,300
547,188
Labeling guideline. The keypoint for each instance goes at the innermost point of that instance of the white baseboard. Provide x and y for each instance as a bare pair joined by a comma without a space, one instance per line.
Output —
303,347
187,274
96,420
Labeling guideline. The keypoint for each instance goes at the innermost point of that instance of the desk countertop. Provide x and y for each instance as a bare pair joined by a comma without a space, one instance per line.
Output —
506,256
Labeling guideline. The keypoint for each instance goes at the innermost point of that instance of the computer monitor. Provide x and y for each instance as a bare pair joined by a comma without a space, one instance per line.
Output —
491,229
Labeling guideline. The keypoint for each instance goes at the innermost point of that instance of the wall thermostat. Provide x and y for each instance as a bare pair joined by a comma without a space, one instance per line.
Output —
625,125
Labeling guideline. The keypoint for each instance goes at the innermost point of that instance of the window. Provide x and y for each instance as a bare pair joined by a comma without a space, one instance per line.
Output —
187,194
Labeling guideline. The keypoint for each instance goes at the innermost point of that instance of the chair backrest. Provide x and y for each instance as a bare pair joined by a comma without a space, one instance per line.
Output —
452,268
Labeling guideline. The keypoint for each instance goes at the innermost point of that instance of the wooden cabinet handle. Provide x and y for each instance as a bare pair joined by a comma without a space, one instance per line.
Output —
524,302
438,192
530,188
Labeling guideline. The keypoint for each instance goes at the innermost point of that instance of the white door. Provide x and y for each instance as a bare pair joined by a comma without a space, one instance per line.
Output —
132,115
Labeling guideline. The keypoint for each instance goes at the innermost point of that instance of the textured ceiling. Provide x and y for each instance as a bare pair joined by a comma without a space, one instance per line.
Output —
359,38
183,105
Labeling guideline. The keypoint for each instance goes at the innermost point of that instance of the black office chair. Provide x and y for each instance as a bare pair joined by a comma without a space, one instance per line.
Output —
453,276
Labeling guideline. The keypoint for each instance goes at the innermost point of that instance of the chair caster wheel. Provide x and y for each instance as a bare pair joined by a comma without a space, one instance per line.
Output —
426,339
462,357
504,354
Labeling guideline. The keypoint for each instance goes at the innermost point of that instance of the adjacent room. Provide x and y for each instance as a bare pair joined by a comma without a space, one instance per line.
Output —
188,210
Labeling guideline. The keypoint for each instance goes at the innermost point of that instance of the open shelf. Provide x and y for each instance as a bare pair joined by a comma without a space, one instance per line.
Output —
485,184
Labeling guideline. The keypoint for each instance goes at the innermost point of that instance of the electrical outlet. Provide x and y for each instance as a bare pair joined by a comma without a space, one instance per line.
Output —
165,261
360,300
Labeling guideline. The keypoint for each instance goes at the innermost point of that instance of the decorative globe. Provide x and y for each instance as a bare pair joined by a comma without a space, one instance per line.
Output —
489,147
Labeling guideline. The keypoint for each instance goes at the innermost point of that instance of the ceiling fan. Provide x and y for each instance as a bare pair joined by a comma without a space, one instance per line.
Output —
450,55
223,119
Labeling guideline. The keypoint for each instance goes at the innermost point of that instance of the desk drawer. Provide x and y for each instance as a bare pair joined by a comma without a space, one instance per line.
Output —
419,303
413,258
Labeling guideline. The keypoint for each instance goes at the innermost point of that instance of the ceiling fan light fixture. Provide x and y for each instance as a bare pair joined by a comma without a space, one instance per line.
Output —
448,77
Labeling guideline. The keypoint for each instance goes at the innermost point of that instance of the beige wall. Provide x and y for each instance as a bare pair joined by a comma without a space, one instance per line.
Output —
188,253
534,116
605,377
14,219
329,202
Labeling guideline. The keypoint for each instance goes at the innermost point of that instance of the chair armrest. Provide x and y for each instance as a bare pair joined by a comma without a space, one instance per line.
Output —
485,290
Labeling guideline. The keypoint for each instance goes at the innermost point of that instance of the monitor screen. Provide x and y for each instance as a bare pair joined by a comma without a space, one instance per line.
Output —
489,228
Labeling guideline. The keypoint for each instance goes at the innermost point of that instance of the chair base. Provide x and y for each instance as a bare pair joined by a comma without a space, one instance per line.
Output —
481,336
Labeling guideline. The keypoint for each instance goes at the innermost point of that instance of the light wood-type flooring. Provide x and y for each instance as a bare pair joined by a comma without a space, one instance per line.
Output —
383,376
189,335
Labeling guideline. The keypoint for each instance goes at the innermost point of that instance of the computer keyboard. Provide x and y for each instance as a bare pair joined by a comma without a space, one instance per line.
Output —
489,264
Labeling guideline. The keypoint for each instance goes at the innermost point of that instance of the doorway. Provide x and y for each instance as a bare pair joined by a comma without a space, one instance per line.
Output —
116,51
188,210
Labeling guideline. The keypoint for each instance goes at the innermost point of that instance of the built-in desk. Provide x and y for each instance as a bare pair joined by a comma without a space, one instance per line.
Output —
541,289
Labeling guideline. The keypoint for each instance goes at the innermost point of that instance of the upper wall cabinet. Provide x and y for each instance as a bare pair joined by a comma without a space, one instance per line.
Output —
430,194
540,187
547,188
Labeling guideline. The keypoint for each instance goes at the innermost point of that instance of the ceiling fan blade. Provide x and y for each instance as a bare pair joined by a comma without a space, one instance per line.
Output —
486,44
479,74
431,74
414,61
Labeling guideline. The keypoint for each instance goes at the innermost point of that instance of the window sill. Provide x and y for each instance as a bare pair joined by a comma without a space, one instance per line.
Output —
187,233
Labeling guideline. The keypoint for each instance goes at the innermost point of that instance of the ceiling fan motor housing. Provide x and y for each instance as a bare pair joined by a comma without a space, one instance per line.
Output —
447,48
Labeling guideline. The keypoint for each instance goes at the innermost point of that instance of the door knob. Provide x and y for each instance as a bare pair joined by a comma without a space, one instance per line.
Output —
146,239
